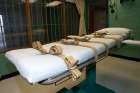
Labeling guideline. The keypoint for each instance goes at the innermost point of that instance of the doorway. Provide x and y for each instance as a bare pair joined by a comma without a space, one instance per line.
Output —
97,13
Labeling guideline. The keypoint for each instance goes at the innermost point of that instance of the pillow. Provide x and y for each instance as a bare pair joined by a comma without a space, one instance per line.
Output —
132,42
116,30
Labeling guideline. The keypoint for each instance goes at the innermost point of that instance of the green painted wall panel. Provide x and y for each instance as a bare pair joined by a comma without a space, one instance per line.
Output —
5,66
128,16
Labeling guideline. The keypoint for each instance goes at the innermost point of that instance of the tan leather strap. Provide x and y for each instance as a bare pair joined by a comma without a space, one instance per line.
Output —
118,41
86,39
103,43
92,47
79,38
69,42
57,50
71,63
99,35
37,45
72,66
77,43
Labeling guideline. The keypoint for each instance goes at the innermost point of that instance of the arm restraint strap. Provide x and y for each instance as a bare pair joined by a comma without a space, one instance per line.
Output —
118,41
57,50
87,39
77,43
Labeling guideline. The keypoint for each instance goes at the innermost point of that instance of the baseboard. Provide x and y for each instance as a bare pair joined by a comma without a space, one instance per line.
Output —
8,75
125,57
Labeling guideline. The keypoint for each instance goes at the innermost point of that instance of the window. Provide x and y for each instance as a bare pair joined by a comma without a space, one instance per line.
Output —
2,36
48,24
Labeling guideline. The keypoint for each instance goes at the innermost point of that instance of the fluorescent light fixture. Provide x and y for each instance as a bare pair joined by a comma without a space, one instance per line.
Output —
70,1
30,1
53,3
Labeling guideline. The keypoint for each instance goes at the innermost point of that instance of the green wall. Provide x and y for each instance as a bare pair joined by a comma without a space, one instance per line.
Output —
5,66
128,16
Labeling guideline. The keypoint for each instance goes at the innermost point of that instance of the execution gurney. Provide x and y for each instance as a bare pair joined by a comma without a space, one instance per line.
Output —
48,69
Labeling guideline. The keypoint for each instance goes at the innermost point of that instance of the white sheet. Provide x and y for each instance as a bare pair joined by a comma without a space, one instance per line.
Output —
36,67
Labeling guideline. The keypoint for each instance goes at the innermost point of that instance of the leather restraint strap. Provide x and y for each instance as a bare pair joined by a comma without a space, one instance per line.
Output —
87,39
77,43
99,35
38,46
69,60
102,35
57,50
118,41
79,38
71,64
103,43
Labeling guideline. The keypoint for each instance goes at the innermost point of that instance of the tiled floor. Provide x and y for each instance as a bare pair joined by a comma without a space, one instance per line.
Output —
122,76
9,86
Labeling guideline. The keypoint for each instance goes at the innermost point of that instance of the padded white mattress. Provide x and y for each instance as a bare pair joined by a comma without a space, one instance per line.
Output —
36,67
